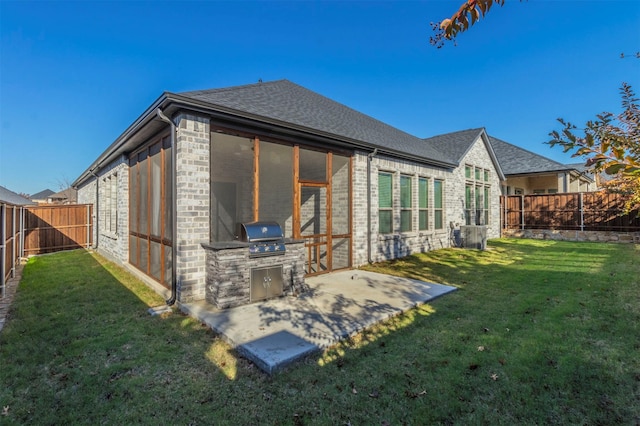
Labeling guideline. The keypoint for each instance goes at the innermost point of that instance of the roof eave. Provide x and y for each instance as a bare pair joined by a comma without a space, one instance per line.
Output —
271,123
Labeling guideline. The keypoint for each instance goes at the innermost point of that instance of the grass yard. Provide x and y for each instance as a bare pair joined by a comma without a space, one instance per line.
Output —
540,332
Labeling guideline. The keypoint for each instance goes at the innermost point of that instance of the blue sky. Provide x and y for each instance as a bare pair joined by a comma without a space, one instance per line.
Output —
74,75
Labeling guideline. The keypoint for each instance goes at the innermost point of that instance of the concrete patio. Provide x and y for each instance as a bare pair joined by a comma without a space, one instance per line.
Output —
274,333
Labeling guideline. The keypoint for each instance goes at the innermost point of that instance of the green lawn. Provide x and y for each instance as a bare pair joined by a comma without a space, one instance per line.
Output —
539,332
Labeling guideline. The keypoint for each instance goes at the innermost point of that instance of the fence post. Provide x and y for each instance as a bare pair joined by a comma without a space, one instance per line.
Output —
522,212
13,246
581,211
88,226
22,211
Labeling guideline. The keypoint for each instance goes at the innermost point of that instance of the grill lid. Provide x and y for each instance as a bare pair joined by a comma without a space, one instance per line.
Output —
254,232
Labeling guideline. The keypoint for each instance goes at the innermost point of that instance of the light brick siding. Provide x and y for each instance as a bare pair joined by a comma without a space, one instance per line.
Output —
113,244
398,244
477,156
192,216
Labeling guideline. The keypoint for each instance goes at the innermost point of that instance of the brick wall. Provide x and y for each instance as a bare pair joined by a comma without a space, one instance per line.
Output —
398,244
114,245
192,216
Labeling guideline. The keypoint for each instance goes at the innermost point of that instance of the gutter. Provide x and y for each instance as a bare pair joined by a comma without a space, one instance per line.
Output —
369,157
174,223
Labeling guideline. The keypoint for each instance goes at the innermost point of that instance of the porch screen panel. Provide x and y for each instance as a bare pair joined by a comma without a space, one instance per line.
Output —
155,186
276,185
231,184
341,253
150,204
313,211
168,192
143,189
340,195
313,165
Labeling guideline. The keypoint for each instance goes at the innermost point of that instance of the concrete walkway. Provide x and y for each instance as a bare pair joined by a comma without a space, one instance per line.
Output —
277,332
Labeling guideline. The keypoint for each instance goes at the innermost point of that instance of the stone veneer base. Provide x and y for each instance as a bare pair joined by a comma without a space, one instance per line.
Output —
228,272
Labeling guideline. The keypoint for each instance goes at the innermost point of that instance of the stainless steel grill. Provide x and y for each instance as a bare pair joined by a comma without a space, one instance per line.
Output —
264,238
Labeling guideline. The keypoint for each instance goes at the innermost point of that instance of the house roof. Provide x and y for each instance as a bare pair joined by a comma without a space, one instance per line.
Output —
517,161
8,196
42,195
69,194
291,104
455,145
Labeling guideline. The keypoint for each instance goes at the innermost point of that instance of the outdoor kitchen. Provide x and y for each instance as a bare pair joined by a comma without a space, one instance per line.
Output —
259,265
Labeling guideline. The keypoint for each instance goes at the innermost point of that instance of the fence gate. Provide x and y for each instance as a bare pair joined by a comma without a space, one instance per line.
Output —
54,228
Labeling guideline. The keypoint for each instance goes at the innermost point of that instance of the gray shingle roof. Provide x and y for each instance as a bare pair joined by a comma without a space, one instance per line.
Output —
290,103
11,197
515,160
42,195
456,144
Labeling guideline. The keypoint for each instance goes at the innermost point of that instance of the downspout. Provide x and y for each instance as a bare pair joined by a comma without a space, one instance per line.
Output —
96,211
369,157
174,223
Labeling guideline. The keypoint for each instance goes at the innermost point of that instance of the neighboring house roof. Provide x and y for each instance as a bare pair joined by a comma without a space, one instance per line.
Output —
456,145
8,196
68,194
588,172
42,195
518,161
291,104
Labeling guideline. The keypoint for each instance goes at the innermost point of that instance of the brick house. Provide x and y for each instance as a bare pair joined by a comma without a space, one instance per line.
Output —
346,189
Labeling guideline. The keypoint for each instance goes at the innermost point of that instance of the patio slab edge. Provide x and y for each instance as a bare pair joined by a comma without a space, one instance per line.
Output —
274,351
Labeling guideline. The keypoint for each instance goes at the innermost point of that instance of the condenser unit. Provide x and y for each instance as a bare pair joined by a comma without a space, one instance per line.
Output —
474,236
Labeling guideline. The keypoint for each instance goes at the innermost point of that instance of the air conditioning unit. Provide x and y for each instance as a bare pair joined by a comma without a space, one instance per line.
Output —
474,236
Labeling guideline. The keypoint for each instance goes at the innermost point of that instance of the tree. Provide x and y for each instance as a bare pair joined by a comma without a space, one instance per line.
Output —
610,144
469,13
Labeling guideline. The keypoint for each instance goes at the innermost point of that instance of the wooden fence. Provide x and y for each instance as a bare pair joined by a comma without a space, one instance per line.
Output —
28,230
11,238
54,228
584,211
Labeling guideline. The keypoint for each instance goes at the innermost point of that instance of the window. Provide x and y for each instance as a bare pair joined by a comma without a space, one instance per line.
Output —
109,204
486,204
468,203
538,191
437,204
385,203
476,197
405,204
423,204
